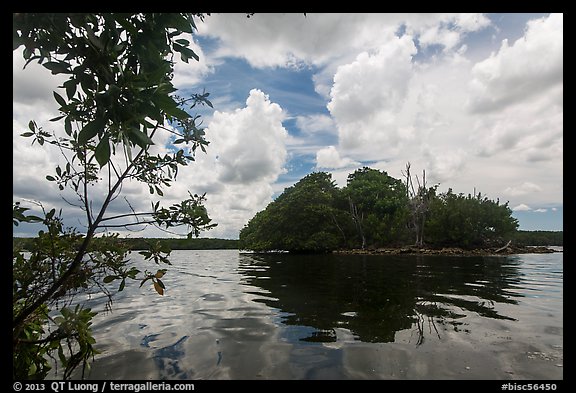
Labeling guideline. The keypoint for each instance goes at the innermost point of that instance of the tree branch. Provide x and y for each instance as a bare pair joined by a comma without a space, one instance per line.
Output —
21,317
124,215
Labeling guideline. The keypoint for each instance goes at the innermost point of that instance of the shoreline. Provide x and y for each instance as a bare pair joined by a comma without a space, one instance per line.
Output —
413,250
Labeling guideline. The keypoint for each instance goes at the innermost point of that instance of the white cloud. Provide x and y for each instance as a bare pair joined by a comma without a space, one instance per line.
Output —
33,86
445,165
522,207
368,94
471,22
269,40
316,123
250,142
428,123
522,189
447,30
516,73
533,130
191,73
329,158
322,40
439,36
246,154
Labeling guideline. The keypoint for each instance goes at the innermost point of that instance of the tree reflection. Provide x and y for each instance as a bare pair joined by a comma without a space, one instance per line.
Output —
376,296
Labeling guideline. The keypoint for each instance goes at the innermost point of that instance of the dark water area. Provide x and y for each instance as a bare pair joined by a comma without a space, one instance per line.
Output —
228,315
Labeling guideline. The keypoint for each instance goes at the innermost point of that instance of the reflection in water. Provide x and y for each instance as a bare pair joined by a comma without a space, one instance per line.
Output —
376,296
167,360
227,315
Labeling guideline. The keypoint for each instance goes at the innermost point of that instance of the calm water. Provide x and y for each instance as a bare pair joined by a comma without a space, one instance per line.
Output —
227,315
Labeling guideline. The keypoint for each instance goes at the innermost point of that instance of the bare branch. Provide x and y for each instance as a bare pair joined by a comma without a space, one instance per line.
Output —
125,215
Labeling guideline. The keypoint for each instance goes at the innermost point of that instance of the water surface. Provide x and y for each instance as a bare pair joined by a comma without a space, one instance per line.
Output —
227,315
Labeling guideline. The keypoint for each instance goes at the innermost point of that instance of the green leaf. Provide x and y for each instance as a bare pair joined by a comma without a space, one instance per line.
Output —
70,86
57,67
50,178
61,101
122,285
185,53
109,279
31,125
143,281
177,113
183,41
90,130
68,126
57,118
180,22
139,138
27,134
102,152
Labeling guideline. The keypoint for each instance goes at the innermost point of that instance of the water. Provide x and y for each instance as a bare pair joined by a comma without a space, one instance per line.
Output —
227,315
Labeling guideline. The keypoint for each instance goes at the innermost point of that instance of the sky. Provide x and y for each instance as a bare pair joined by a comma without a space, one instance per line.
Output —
475,100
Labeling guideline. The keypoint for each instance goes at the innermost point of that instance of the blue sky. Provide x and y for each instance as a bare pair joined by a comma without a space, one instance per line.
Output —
473,99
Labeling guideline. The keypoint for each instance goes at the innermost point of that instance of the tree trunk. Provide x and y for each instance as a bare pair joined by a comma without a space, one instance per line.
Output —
505,247
357,221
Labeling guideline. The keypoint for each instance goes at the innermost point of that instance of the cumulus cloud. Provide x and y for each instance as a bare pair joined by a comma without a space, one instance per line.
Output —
445,165
440,36
469,22
368,94
329,158
33,86
446,30
249,142
315,123
522,207
522,189
517,108
247,153
269,40
518,72
322,40
245,156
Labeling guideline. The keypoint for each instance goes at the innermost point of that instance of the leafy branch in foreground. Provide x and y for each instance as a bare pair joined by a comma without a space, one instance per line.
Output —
117,99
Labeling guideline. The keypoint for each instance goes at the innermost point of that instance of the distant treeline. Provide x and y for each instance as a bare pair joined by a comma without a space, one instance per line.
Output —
538,238
141,243
520,238
185,244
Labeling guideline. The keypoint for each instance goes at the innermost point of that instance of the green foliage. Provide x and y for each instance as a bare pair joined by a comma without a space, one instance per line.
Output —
381,205
299,220
49,257
373,210
117,97
468,221
142,243
70,337
184,244
538,238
